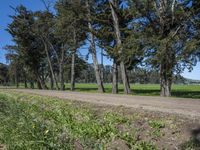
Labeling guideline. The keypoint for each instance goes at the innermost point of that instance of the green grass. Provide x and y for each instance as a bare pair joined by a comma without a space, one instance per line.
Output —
35,122
183,91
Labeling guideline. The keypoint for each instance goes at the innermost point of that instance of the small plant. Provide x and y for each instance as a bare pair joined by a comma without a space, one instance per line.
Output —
157,125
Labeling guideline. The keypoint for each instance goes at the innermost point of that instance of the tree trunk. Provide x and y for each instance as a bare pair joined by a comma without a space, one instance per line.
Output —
93,52
32,84
50,65
119,45
41,84
16,78
115,78
165,80
51,82
73,72
25,81
62,85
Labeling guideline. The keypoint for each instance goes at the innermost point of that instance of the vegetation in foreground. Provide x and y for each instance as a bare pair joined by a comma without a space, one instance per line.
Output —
35,122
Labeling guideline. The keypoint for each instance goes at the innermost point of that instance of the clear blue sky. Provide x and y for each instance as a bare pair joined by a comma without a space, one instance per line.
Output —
5,38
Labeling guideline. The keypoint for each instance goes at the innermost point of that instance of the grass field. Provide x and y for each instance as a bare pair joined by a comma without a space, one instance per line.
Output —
183,91
36,122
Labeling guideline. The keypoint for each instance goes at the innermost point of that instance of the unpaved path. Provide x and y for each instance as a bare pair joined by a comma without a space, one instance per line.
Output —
182,106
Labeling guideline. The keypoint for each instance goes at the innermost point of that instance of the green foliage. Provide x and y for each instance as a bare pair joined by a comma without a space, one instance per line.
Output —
157,125
163,35
34,122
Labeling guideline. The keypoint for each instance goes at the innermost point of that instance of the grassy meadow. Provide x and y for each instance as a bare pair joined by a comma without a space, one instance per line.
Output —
182,91
36,122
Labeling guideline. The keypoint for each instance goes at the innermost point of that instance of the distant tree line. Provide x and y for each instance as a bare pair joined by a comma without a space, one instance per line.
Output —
86,74
162,35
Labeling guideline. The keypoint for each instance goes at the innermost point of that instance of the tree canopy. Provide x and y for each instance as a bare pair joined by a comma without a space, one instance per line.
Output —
161,37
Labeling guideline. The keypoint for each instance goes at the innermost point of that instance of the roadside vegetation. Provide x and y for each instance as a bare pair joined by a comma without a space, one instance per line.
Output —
36,122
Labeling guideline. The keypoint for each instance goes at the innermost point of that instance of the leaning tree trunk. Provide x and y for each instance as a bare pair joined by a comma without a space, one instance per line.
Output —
93,52
40,82
165,80
50,65
61,73
115,78
119,45
73,72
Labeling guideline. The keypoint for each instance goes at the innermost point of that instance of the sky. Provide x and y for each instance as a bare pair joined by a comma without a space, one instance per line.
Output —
6,39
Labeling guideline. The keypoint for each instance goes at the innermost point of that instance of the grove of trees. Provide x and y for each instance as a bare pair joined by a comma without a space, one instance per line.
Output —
153,40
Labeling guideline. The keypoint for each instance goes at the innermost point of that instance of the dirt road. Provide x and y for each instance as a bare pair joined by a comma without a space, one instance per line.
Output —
186,107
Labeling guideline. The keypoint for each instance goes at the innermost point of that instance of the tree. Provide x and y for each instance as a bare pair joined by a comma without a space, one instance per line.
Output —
71,22
167,25
28,47
114,5
89,7
43,27
4,74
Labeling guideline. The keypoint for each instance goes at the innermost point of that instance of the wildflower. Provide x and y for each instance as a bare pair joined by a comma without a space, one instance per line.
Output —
46,131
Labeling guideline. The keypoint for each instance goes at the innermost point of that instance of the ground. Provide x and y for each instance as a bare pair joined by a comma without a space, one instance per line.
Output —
30,121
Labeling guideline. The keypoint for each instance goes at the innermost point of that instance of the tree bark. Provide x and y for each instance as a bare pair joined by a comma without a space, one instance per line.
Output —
73,72
50,64
41,84
16,77
62,85
119,45
93,52
115,78
51,82
165,80
25,81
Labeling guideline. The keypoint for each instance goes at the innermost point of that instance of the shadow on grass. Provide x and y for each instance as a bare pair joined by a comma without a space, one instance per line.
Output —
175,93
194,142
186,94
146,92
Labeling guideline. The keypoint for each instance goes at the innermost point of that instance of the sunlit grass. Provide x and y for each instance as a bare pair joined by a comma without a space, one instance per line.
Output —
35,122
184,91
